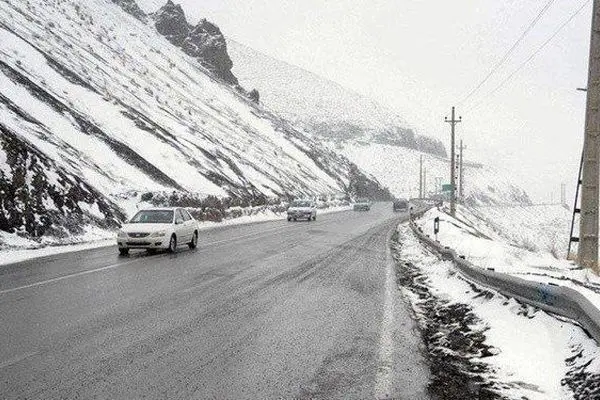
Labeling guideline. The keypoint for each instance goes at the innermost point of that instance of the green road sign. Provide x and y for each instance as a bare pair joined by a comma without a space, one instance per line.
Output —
446,187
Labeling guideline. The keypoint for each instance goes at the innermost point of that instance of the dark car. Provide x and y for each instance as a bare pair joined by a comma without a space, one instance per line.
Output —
401,205
362,205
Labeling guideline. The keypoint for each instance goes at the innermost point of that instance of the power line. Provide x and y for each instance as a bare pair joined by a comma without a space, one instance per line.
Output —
532,56
509,52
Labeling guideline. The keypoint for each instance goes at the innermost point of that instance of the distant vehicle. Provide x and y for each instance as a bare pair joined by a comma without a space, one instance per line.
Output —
401,205
302,209
362,204
158,228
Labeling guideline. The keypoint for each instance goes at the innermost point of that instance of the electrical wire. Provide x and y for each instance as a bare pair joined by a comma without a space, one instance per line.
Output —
532,56
509,52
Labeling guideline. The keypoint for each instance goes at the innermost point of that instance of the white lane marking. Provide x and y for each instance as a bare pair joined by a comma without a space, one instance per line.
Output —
60,278
17,359
384,377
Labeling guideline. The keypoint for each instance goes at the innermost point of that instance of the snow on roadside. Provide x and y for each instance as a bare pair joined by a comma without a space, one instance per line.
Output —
513,245
525,353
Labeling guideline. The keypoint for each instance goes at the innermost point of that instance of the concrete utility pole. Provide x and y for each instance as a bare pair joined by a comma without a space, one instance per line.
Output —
424,182
421,177
453,121
461,182
587,254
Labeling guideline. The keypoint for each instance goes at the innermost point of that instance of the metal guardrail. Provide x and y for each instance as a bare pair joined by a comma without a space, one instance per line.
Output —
555,299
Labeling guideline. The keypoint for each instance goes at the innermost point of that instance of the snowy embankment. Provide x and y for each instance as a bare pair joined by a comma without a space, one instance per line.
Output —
519,341
529,242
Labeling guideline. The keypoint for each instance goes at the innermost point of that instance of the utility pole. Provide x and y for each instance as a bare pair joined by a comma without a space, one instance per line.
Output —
461,182
421,177
424,182
587,254
453,121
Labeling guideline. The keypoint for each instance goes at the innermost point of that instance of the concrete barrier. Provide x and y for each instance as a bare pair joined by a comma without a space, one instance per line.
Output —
560,300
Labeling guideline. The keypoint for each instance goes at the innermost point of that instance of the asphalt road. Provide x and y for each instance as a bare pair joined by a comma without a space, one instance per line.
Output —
263,311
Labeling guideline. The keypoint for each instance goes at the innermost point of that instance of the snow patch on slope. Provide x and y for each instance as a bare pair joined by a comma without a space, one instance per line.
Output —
398,169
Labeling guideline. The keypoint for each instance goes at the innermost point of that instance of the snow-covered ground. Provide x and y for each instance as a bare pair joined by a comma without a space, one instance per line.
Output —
529,242
523,353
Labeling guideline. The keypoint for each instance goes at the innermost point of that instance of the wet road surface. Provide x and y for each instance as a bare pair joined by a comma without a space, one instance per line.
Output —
268,310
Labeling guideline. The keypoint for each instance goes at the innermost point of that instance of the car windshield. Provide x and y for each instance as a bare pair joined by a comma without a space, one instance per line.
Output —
153,217
300,203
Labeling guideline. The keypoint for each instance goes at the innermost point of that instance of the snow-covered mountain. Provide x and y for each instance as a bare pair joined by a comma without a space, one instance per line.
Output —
364,131
95,103
323,107
397,168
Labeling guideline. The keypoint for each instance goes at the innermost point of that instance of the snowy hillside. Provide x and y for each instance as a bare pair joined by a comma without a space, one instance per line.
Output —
95,104
362,130
322,106
398,169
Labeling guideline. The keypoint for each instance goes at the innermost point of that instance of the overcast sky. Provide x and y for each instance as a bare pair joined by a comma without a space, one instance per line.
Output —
421,57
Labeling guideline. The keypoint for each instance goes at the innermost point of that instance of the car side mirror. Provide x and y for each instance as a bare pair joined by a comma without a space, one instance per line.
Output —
178,221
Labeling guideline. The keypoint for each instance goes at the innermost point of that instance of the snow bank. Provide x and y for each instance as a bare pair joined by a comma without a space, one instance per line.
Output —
515,244
523,341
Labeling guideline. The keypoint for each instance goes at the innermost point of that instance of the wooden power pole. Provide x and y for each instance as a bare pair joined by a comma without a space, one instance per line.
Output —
461,181
587,253
453,121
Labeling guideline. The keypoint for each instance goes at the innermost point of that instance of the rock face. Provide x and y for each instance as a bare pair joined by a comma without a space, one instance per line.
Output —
203,41
207,43
39,198
170,22
132,8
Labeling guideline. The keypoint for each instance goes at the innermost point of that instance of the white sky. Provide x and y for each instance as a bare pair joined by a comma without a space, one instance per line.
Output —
420,57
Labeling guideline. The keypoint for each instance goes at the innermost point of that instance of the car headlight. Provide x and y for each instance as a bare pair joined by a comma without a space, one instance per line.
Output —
159,233
122,234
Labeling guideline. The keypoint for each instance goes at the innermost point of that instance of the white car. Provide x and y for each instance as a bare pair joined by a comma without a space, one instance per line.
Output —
158,228
302,209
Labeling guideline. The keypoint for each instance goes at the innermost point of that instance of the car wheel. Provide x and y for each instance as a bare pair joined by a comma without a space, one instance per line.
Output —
123,252
295,219
172,244
289,219
194,243
314,218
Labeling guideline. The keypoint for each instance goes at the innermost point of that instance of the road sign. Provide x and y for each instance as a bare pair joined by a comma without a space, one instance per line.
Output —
436,225
447,187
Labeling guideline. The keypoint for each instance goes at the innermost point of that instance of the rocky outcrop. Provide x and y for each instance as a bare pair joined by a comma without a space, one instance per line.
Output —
170,22
131,7
205,42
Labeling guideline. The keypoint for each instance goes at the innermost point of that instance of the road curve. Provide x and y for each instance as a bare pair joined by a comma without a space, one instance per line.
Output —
269,310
